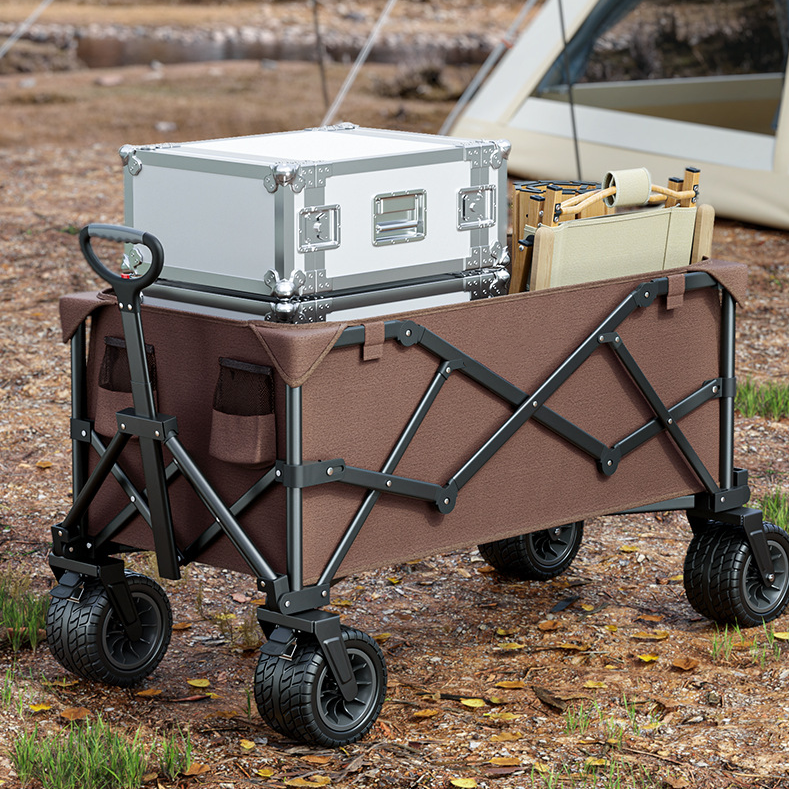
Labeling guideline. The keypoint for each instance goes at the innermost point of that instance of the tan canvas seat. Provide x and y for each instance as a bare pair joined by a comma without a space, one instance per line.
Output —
628,226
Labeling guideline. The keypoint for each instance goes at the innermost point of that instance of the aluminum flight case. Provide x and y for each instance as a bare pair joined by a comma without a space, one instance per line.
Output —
333,223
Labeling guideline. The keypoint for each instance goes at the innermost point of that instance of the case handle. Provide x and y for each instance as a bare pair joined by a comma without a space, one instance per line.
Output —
124,285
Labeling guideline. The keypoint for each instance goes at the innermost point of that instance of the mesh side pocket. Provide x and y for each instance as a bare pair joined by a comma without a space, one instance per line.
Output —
114,390
114,373
244,389
243,424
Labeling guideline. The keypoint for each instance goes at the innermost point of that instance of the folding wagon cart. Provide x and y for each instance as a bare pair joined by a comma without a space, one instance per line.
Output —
302,453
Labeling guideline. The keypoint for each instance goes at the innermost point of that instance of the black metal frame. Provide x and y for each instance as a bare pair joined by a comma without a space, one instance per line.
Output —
291,607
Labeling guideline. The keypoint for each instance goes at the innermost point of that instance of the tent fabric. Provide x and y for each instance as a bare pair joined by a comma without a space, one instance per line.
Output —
745,173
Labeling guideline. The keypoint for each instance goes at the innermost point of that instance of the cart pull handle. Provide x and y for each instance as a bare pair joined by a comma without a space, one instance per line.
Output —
126,286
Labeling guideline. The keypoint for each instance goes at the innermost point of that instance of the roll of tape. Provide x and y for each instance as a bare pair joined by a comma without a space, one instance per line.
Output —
633,187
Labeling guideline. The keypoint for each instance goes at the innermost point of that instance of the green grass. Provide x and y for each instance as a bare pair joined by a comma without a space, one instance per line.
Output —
175,754
22,613
78,757
722,645
775,507
769,399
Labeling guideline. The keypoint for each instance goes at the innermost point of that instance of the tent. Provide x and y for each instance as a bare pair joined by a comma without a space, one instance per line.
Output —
593,85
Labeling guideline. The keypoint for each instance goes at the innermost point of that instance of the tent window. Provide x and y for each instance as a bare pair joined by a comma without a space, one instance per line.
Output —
725,60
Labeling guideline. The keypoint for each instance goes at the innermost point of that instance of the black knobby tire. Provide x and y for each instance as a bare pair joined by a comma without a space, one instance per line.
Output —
697,566
731,587
537,556
299,697
86,637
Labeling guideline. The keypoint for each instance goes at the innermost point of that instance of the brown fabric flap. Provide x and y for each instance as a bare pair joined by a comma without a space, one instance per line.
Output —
76,307
296,351
733,276
676,291
374,338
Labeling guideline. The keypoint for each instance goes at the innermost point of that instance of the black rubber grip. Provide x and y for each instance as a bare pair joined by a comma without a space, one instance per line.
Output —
124,235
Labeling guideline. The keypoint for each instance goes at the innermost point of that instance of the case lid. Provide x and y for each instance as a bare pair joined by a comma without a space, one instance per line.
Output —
324,145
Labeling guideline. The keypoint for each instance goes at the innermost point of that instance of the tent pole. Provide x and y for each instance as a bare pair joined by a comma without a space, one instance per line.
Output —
494,57
566,58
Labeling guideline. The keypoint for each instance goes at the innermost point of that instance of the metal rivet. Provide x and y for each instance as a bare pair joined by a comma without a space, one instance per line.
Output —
324,593
723,498
446,501
771,577
123,427
616,339
120,305
287,604
329,471
128,307
71,549
715,390
671,421
132,499
449,370
389,483
408,332
600,338
534,403
646,294
610,463
60,532
84,433
156,433
88,544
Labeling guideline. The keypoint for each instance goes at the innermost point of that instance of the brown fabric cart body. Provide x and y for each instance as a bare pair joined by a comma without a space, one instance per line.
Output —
357,400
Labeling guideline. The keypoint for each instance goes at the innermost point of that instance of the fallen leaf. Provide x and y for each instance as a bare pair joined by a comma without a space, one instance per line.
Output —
40,707
590,683
393,580
342,603
148,692
317,759
651,617
426,713
511,684
189,699
650,635
507,736
573,647
782,636
239,597
382,638
593,762
497,700
464,783
199,683
75,713
549,624
473,702
150,777
629,548
64,682
486,569
266,772
611,628
511,646
685,663
648,658
181,625
546,697
505,631
317,780
676,578
505,761
196,769
541,767
247,745
44,464
587,607
502,716
565,603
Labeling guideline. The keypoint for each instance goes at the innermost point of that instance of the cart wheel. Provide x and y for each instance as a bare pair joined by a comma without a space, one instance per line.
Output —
300,698
86,637
723,582
536,556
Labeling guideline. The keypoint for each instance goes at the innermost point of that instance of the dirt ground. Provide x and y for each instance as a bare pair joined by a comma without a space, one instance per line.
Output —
615,634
